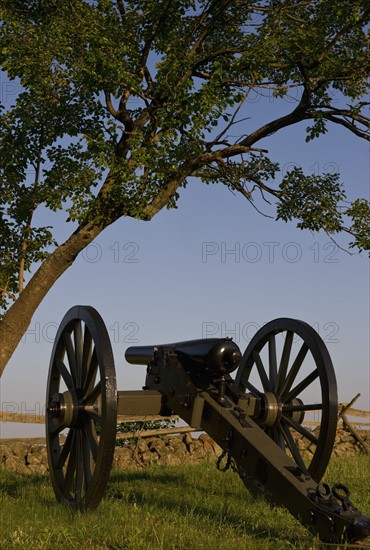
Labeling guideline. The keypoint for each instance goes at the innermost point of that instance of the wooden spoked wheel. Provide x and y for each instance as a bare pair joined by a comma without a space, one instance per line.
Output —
288,368
81,405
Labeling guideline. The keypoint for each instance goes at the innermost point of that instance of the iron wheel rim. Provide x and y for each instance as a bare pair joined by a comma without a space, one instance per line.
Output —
279,380
82,364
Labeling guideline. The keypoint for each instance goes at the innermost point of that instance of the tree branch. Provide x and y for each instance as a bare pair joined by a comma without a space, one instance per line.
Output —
232,121
339,35
109,104
121,8
27,229
155,28
350,126
187,169
351,113
301,112
210,25
5,292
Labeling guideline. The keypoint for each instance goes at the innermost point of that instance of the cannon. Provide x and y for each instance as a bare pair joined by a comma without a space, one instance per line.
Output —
284,374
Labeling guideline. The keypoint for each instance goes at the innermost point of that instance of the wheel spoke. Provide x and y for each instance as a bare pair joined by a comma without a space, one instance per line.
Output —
302,385
252,389
95,416
293,448
54,428
65,374
88,461
303,407
71,357
71,467
92,439
65,451
279,437
272,362
91,374
79,466
284,361
268,431
299,428
93,395
86,355
292,374
261,371
77,332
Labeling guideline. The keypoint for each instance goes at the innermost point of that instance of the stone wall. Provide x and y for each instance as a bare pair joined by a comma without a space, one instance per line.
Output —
30,457
345,443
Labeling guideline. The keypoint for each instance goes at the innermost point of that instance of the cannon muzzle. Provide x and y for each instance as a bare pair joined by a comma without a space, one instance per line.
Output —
216,355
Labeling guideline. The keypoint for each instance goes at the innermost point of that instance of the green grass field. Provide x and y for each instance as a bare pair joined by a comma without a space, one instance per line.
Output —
178,507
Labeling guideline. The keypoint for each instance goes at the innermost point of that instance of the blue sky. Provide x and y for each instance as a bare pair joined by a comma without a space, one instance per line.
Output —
216,266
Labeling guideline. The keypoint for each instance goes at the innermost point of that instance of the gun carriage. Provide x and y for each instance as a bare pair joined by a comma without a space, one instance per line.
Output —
253,416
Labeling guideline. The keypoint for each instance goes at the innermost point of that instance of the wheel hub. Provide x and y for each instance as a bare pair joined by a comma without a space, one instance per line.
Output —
297,415
64,407
272,409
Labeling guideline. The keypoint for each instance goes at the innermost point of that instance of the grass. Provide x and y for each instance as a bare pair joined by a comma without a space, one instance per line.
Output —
192,507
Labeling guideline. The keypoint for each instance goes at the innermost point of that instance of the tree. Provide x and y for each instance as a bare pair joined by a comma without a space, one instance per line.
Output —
124,100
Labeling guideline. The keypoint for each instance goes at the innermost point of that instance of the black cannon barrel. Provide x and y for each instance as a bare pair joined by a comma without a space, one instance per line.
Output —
139,355
217,355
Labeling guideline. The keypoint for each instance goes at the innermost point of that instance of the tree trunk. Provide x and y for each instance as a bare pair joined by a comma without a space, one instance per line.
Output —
18,318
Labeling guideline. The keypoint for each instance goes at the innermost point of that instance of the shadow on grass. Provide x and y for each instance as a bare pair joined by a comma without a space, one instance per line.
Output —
160,476
242,523
14,484
175,496
215,511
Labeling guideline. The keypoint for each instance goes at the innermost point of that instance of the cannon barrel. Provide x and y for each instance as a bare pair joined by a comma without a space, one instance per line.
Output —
216,355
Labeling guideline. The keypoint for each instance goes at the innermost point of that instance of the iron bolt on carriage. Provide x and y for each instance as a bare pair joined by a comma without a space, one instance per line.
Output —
254,417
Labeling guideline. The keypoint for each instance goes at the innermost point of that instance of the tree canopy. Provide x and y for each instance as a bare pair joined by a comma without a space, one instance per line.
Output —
122,101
